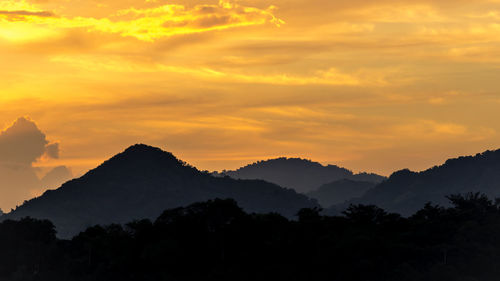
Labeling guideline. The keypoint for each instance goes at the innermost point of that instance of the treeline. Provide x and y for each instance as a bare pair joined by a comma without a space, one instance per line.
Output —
216,240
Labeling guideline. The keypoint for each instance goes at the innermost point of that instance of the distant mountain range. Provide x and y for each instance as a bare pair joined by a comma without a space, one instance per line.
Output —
340,191
143,181
405,191
300,174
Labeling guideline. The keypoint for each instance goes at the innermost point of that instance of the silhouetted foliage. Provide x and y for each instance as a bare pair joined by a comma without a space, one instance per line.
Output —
217,240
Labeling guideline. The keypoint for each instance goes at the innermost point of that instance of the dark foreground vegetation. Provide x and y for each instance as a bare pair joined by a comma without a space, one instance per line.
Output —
216,240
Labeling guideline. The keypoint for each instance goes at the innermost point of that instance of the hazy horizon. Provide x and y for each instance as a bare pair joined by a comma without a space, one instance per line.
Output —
25,151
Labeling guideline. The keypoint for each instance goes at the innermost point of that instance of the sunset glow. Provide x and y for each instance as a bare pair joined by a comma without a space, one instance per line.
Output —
369,85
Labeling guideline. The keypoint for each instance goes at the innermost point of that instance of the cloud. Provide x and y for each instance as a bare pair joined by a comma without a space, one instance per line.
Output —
52,150
432,128
151,24
330,76
402,13
20,10
21,13
21,145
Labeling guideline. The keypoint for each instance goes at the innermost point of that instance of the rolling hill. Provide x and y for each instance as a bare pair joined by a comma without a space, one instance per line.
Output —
300,174
405,191
143,181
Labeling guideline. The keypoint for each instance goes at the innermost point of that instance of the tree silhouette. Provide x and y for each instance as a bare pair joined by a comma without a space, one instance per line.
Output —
217,240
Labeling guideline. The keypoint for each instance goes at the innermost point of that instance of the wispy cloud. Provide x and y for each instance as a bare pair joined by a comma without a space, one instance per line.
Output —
150,24
354,81
19,14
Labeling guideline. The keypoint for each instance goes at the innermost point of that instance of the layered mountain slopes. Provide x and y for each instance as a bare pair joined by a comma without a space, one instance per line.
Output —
405,191
143,181
340,191
300,174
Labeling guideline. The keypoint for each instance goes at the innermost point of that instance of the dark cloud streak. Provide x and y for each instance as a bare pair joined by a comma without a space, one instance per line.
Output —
43,14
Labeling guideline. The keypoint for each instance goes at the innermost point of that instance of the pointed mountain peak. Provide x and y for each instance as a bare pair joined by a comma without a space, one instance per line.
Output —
142,159
140,148
143,181
149,153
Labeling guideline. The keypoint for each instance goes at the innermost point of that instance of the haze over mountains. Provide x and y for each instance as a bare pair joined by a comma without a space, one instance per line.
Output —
143,181
405,191
338,192
300,174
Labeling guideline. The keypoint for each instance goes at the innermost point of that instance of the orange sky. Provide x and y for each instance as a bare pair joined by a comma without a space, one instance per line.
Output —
369,85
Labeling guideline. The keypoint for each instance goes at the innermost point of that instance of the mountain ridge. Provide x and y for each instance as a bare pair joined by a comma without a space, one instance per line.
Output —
141,182
302,175
406,191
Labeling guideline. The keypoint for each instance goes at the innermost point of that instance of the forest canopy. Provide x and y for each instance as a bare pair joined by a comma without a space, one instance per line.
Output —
217,240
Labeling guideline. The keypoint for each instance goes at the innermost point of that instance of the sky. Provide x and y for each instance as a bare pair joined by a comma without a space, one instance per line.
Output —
373,86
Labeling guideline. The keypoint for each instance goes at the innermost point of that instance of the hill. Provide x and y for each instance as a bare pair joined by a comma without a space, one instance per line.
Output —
299,174
143,181
340,191
405,191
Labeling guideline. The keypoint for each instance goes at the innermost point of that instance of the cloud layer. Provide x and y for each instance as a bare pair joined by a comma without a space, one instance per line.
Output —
151,23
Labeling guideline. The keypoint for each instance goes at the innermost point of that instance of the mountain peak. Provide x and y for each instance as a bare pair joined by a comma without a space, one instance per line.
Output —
141,159
406,191
141,182
142,154
143,148
303,175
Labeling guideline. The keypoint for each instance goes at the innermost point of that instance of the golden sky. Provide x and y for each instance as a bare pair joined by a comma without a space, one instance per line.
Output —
369,85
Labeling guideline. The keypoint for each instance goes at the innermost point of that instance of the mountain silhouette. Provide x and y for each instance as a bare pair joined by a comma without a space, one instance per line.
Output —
340,191
405,191
299,174
143,181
